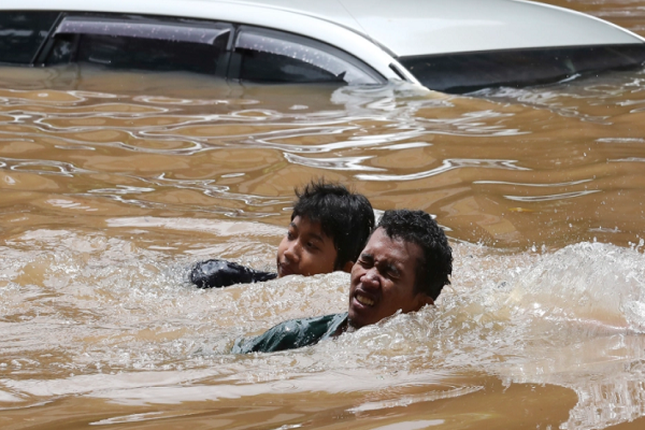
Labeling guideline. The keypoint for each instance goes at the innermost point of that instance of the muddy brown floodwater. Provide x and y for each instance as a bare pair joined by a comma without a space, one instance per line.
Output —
113,184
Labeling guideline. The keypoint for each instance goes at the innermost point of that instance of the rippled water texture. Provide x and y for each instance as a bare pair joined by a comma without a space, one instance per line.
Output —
113,184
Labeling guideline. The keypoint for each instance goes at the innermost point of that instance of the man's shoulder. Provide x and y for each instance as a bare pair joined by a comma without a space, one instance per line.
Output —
295,333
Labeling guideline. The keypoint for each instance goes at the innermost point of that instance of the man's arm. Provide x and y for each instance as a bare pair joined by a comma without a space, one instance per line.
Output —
292,334
222,273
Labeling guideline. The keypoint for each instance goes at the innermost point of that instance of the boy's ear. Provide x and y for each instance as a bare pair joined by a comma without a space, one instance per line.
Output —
347,268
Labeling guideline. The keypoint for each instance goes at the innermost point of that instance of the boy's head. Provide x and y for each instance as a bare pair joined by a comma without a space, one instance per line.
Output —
329,227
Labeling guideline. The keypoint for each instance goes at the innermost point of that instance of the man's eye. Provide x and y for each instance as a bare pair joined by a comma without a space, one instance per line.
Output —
365,262
392,273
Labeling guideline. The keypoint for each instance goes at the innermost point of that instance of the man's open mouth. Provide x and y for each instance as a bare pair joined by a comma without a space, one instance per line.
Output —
363,300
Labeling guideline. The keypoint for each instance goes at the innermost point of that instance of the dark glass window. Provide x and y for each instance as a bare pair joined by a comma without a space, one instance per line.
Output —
62,49
22,33
275,57
156,46
147,54
465,72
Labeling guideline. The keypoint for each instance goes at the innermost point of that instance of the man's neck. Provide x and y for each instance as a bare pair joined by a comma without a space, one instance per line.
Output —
343,328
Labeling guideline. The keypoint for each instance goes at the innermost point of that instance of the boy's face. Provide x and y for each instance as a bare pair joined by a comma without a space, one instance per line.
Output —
383,280
305,250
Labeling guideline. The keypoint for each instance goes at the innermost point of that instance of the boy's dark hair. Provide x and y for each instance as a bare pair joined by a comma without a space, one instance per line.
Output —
346,217
418,227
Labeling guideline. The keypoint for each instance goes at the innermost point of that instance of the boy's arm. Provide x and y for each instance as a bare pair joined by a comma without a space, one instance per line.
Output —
222,273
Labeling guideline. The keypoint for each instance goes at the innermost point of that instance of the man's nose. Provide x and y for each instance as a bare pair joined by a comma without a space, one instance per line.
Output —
370,278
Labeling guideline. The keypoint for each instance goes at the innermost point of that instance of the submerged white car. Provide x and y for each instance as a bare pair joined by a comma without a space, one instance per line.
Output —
447,45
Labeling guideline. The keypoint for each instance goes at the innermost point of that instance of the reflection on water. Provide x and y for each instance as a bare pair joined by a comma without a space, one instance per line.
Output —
491,169
112,185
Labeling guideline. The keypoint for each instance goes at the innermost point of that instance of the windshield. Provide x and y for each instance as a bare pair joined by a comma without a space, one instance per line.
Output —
465,72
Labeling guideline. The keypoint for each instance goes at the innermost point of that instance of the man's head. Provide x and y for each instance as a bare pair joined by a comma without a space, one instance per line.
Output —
329,227
404,265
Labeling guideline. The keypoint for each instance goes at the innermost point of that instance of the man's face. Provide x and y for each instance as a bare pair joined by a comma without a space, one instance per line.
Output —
383,279
305,250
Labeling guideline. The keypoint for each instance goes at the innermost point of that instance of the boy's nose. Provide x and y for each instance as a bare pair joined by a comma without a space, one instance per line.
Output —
293,251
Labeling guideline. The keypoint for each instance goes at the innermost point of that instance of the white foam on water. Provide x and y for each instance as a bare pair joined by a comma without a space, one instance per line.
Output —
85,314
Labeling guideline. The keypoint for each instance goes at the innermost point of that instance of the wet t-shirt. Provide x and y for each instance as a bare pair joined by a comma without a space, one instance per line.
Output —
292,334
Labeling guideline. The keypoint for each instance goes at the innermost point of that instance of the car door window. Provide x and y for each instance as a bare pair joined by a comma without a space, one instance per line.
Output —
143,45
22,33
271,56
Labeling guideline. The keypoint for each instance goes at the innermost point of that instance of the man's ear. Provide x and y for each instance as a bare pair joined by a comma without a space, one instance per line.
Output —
424,299
347,268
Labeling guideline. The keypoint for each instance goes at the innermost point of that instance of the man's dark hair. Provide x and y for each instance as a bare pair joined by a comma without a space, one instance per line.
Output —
344,216
418,227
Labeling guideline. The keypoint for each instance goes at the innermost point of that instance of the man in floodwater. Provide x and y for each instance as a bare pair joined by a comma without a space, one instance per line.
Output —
329,227
404,266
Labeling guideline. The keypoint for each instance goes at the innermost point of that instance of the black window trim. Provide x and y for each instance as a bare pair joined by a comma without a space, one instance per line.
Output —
46,41
107,26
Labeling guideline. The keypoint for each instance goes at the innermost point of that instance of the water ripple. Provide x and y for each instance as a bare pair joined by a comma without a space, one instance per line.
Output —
43,167
523,184
447,165
549,197
338,163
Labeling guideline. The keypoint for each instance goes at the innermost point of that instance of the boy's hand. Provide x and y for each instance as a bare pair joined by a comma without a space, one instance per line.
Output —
222,273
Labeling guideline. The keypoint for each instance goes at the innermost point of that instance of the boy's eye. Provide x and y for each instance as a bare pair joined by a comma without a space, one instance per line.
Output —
312,246
290,235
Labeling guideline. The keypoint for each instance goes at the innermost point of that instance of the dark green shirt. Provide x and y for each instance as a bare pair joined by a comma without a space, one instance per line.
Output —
292,334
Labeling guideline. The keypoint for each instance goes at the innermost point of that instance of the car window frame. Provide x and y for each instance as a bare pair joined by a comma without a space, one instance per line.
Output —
138,26
341,55
77,23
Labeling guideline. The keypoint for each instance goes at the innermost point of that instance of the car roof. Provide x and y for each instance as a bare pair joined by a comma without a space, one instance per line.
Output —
434,26
413,27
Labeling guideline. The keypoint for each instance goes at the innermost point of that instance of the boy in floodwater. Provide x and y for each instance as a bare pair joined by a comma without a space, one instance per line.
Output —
329,227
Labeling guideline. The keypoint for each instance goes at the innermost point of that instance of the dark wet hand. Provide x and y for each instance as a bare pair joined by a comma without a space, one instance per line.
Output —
222,273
